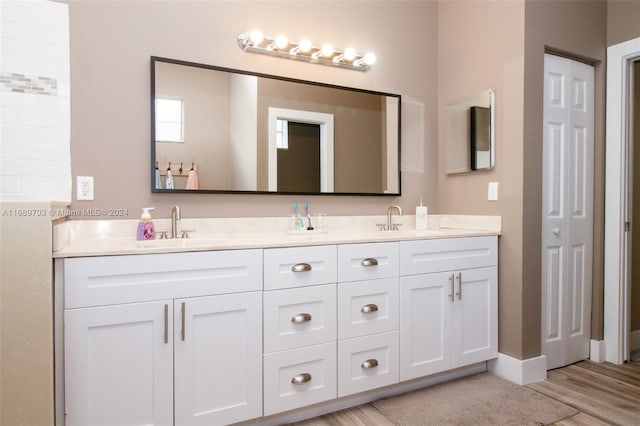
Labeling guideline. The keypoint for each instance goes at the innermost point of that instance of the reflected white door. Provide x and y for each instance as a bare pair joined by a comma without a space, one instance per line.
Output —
567,210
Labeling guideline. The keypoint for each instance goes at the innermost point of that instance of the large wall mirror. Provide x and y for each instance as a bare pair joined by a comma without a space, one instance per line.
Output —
245,132
469,133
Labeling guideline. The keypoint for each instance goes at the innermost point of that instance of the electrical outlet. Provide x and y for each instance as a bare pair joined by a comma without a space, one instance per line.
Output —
492,193
84,186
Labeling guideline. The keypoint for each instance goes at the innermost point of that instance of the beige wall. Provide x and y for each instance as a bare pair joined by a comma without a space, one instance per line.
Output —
469,33
26,314
622,20
110,88
515,35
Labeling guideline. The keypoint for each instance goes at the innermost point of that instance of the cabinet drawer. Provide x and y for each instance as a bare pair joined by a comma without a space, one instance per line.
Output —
299,377
357,262
299,317
367,307
426,256
299,266
367,363
108,280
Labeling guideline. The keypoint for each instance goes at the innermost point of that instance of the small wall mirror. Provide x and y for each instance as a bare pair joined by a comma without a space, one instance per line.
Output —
469,133
255,133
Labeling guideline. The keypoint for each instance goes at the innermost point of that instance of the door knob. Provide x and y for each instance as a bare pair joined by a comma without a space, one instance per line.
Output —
556,231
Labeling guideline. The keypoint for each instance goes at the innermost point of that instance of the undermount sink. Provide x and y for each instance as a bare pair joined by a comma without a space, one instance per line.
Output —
180,243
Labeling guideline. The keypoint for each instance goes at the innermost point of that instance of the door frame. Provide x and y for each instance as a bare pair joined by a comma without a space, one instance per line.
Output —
325,121
618,130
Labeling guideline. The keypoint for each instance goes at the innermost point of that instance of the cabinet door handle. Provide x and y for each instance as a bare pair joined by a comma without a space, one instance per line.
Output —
301,379
166,323
459,293
369,364
301,267
369,262
451,296
182,318
367,309
301,318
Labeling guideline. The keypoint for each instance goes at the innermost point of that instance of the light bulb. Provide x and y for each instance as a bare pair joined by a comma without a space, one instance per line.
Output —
256,37
304,46
281,42
370,58
349,54
326,50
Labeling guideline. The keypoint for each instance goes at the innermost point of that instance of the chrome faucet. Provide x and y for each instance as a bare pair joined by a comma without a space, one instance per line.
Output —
175,217
390,226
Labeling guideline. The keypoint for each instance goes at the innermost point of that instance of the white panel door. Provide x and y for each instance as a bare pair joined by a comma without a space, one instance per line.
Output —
567,210
425,324
118,365
475,316
218,359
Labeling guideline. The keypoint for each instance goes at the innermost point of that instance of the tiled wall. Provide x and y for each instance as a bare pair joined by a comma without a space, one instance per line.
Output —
35,162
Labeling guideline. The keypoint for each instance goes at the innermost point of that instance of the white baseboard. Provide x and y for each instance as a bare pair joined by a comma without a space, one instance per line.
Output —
519,371
634,340
597,352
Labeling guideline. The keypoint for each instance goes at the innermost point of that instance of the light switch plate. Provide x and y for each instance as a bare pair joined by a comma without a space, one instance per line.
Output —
492,193
84,186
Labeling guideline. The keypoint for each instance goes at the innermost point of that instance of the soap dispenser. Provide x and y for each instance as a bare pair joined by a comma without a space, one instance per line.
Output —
421,216
146,231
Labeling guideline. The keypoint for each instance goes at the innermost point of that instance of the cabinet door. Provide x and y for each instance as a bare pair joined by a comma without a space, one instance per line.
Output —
476,316
425,324
218,359
118,365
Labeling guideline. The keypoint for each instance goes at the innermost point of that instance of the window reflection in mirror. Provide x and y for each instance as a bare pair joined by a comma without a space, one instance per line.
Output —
469,133
232,137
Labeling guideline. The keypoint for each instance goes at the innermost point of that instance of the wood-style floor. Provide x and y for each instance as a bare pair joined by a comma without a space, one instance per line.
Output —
605,394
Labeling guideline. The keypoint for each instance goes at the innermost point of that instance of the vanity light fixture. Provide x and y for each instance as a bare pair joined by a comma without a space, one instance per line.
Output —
304,50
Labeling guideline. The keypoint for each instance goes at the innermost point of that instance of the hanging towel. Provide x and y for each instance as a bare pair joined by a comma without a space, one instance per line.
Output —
158,179
192,180
169,180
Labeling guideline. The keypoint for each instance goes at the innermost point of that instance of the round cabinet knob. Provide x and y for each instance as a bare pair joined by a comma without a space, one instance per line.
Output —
556,231
301,379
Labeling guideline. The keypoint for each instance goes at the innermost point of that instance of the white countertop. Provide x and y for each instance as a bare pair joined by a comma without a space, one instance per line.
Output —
107,238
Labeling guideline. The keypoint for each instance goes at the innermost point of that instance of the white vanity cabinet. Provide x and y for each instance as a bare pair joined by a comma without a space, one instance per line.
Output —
448,304
299,309
368,316
191,350
220,337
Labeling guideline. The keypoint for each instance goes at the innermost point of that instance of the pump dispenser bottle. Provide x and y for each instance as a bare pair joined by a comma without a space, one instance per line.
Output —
146,230
421,216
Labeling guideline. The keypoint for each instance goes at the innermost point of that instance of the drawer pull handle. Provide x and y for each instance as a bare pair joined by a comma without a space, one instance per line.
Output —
368,364
367,309
301,267
301,379
301,318
369,262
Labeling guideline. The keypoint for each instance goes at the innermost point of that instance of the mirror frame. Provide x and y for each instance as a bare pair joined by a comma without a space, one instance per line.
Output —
152,114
